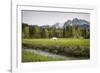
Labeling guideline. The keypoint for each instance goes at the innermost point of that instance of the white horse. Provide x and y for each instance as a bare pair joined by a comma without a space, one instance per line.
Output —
54,38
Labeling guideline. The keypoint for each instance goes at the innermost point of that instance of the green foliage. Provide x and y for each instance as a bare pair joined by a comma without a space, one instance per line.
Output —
59,33
45,33
85,33
25,30
76,32
36,32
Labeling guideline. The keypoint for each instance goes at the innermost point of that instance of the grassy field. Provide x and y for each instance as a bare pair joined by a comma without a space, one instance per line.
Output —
79,48
59,42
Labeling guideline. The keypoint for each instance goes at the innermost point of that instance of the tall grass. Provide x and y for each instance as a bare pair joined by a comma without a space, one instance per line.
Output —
59,42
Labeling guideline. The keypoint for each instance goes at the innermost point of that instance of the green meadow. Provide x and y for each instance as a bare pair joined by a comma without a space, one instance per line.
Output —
78,48
58,42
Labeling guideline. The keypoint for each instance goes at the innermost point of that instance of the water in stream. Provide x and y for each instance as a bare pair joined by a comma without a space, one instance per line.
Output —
43,53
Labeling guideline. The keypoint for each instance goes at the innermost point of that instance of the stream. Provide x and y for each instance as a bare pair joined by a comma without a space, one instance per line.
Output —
43,53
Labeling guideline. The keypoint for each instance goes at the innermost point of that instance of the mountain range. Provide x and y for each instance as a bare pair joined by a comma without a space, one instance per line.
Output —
79,22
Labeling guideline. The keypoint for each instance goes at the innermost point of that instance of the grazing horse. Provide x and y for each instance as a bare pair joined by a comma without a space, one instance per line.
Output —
54,38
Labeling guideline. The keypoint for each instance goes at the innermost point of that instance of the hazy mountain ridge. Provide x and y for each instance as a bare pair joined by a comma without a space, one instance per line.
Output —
79,22
75,21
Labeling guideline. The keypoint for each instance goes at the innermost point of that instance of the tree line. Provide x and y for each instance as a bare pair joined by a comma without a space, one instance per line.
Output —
69,31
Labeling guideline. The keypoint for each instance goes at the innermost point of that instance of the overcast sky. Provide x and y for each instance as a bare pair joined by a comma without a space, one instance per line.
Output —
50,18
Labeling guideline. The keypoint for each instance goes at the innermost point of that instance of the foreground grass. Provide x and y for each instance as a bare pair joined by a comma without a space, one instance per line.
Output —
59,42
33,57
